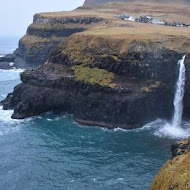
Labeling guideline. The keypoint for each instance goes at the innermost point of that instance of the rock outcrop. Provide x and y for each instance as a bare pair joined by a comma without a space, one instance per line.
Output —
7,61
175,174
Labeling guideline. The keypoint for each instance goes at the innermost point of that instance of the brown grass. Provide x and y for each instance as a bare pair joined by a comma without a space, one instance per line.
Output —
175,175
173,11
113,28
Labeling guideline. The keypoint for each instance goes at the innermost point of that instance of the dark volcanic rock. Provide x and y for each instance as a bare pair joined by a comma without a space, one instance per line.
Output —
181,147
35,54
53,87
6,65
60,32
7,62
8,58
44,34
145,79
67,20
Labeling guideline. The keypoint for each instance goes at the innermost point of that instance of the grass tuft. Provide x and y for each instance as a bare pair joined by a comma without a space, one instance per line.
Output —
94,76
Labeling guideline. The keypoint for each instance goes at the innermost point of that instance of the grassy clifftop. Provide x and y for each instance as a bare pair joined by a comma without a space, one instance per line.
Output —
112,27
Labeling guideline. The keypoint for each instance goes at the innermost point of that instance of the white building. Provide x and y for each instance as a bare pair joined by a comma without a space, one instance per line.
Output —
130,18
161,22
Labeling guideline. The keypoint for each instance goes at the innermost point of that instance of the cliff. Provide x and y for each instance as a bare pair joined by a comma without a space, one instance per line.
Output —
175,174
50,29
103,70
46,32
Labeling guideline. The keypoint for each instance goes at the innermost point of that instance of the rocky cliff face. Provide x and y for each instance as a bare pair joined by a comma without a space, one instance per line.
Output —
45,34
126,91
105,71
176,173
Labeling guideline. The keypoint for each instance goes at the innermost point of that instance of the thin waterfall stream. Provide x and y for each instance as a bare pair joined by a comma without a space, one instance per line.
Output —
179,94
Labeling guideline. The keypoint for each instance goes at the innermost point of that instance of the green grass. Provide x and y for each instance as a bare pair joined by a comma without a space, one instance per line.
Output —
94,76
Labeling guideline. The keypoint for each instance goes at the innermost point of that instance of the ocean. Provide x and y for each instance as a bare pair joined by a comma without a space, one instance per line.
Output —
53,152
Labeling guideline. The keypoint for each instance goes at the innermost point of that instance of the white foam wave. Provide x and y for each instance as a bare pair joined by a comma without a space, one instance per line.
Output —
7,75
5,115
120,179
120,129
11,64
1,55
9,125
48,119
14,70
7,130
174,132
152,125
164,129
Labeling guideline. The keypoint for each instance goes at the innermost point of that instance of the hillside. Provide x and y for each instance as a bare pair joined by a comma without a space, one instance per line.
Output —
96,2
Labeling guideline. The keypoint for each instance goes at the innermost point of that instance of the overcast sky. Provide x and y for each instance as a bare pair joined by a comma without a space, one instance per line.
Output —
16,15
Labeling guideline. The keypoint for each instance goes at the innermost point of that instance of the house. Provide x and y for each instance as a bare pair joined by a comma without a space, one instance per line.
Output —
145,19
127,17
179,24
160,22
124,16
130,18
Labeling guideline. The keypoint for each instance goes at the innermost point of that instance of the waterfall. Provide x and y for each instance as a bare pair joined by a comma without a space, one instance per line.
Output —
179,94
176,129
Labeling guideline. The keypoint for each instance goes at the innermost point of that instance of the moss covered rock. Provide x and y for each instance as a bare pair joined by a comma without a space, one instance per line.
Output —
94,76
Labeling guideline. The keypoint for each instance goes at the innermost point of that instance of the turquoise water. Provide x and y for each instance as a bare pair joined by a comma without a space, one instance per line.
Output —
53,152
